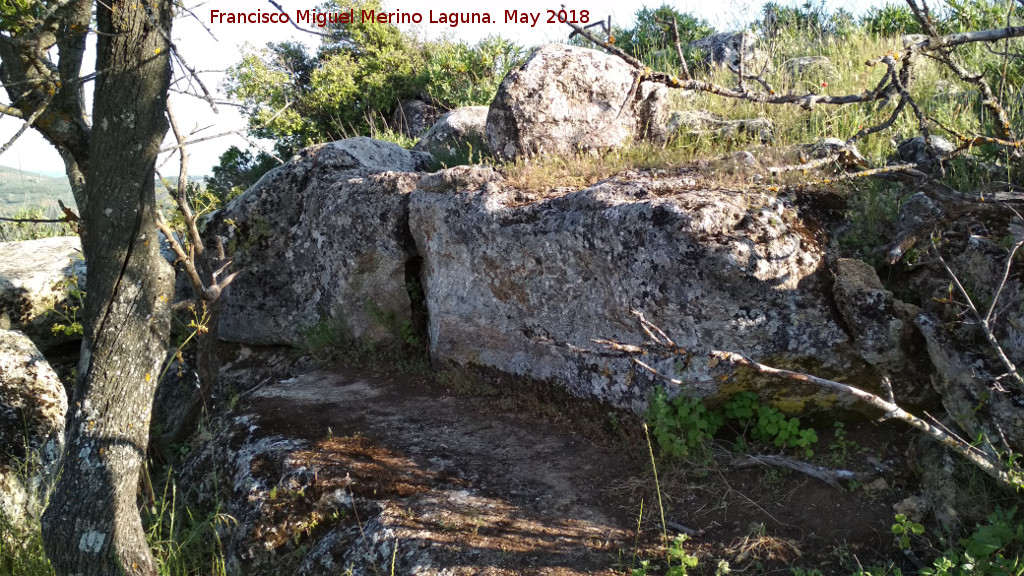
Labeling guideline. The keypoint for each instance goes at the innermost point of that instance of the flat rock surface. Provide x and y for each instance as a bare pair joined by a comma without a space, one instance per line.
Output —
460,492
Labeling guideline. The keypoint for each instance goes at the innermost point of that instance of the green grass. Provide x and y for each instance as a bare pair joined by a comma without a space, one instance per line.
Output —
183,543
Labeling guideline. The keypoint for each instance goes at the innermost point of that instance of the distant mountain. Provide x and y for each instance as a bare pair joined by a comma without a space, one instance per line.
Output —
20,189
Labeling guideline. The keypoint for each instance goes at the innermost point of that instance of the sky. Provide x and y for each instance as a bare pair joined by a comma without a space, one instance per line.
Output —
211,46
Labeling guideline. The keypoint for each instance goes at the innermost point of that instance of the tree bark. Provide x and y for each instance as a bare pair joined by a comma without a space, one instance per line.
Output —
32,81
92,525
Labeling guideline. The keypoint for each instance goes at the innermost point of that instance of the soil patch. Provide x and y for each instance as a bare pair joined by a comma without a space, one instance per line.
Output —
479,481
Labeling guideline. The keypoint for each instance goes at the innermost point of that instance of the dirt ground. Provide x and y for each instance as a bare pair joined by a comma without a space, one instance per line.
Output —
486,476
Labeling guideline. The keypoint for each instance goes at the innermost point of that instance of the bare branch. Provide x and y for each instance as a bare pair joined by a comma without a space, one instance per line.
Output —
31,120
984,321
830,477
988,463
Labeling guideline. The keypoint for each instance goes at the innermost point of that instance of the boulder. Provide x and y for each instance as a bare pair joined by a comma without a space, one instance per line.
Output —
414,117
724,49
32,408
814,69
915,149
566,99
35,277
457,136
704,123
509,286
322,240
882,326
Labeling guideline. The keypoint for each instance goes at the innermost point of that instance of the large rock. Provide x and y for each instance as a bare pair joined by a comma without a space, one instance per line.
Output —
35,277
323,238
458,136
507,284
32,408
725,48
378,477
414,117
882,326
916,149
565,99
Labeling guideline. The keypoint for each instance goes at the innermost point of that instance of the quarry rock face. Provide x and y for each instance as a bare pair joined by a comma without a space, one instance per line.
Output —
510,286
34,279
457,135
32,408
322,240
566,99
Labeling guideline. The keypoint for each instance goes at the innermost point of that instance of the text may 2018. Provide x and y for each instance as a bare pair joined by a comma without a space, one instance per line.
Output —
453,19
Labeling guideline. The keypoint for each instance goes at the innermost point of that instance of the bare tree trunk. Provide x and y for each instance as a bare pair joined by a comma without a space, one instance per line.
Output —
92,525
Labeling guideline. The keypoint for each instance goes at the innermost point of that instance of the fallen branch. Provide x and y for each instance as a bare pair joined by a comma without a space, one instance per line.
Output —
830,477
989,464
659,343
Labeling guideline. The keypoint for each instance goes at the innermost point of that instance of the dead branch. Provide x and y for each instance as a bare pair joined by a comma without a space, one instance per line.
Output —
28,122
985,321
989,463
830,477
679,50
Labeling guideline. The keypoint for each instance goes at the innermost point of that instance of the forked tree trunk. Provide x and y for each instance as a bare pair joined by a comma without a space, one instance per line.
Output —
92,525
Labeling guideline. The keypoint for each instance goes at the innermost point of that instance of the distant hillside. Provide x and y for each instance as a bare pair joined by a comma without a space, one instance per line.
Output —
20,189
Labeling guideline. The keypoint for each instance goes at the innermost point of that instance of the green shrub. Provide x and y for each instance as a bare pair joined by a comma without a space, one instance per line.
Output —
457,74
891,20
683,426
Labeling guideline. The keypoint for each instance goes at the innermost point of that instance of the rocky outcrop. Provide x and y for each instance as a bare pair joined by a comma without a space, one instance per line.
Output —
322,239
32,408
566,99
724,49
704,123
814,69
968,371
414,117
35,277
381,478
883,329
916,149
457,135
508,286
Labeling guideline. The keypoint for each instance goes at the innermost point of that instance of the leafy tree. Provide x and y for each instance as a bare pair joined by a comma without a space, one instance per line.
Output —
237,171
891,20
650,39
360,72
458,74
92,525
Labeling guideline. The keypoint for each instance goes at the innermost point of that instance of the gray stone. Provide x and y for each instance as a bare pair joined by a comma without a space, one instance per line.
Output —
323,238
724,48
429,483
32,408
880,325
368,154
566,99
810,69
414,117
35,276
915,149
457,135
704,123
507,285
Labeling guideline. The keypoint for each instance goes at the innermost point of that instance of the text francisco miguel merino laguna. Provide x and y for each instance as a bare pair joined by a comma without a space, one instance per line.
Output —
453,19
